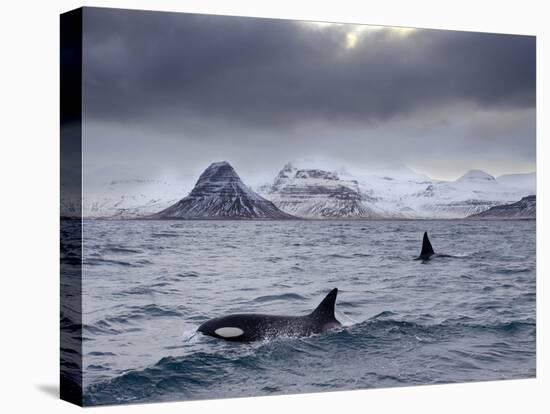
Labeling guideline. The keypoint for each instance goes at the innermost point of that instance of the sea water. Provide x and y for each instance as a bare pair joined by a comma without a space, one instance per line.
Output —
147,286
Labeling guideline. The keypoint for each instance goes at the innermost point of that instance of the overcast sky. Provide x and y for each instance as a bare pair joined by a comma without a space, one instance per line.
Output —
166,94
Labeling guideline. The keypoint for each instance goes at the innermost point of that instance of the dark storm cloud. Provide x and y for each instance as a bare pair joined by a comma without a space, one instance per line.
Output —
166,94
177,68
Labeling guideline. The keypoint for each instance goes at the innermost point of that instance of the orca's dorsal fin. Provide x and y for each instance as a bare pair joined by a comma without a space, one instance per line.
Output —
325,310
427,249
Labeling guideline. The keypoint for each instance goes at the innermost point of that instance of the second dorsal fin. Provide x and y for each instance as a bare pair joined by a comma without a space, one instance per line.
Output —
427,249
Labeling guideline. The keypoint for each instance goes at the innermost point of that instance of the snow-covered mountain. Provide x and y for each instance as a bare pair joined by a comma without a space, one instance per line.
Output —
388,191
316,193
129,198
526,208
220,194
474,192
305,189
391,193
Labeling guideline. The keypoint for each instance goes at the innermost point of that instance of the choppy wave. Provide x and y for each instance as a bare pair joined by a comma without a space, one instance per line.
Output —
212,374
284,296
148,285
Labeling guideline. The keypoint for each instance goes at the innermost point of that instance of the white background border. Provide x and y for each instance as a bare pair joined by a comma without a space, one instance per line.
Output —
29,181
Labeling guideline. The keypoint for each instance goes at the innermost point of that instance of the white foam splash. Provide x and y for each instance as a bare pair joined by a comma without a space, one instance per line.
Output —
190,335
344,319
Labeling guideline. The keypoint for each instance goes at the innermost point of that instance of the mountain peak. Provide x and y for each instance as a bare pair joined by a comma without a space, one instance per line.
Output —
218,173
476,175
220,193
221,167
219,164
316,173
317,193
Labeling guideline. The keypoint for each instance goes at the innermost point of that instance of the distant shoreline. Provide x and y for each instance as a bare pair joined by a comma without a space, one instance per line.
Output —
304,219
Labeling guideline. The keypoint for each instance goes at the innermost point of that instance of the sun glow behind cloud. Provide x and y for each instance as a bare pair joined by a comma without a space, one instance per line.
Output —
354,33
351,40
435,100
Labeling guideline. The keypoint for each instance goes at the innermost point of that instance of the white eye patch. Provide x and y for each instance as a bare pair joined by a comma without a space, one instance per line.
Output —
229,332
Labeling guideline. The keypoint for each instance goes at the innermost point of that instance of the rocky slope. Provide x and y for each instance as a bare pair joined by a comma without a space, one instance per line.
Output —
526,208
316,193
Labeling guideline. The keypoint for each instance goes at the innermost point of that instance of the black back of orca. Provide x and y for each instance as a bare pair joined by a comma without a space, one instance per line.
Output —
249,327
427,249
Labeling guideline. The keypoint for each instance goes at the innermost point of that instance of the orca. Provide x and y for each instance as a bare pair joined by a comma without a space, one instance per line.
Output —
427,249
248,327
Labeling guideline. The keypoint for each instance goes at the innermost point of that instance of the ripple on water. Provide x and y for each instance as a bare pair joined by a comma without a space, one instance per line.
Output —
458,319
283,296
